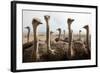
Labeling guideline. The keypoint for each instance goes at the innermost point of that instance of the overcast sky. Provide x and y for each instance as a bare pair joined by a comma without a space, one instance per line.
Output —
57,20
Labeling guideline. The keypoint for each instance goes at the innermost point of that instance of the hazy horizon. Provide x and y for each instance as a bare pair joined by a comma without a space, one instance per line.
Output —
57,20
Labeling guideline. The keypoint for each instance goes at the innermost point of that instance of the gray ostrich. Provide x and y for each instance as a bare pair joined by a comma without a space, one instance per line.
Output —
87,37
35,23
28,34
49,50
69,21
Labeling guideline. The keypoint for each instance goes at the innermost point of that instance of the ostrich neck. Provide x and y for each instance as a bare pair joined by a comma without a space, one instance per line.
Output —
29,31
35,39
69,37
48,36
79,35
28,34
64,34
69,29
87,38
59,35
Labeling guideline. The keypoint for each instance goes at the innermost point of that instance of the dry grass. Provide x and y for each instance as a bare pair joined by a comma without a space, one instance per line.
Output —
61,50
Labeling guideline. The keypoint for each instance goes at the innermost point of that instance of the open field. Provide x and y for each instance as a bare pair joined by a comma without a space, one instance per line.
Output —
43,37
60,48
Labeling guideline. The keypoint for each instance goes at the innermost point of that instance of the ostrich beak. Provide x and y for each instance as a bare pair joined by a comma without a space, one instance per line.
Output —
69,21
26,27
72,20
85,27
58,29
40,23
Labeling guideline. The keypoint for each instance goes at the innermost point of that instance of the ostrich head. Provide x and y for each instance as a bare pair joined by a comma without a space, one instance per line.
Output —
36,22
46,17
86,27
27,27
59,29
69,21
51,32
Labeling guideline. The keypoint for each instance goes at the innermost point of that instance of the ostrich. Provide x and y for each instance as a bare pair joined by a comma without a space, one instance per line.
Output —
59,36
69,21
49,50
28,44
28,28
35,23
87,38
79,49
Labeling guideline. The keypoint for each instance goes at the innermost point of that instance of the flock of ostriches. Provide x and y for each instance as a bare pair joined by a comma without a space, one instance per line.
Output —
58,49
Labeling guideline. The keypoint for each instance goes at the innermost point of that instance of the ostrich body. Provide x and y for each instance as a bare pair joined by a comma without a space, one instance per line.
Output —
28,28
79,50
87,38
69,21
35,23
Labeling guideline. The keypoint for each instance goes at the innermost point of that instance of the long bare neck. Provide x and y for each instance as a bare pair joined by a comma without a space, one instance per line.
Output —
59,36
69,37
79,35
35,39
87,37
35,50
28,35
64,35
48,35
69,29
